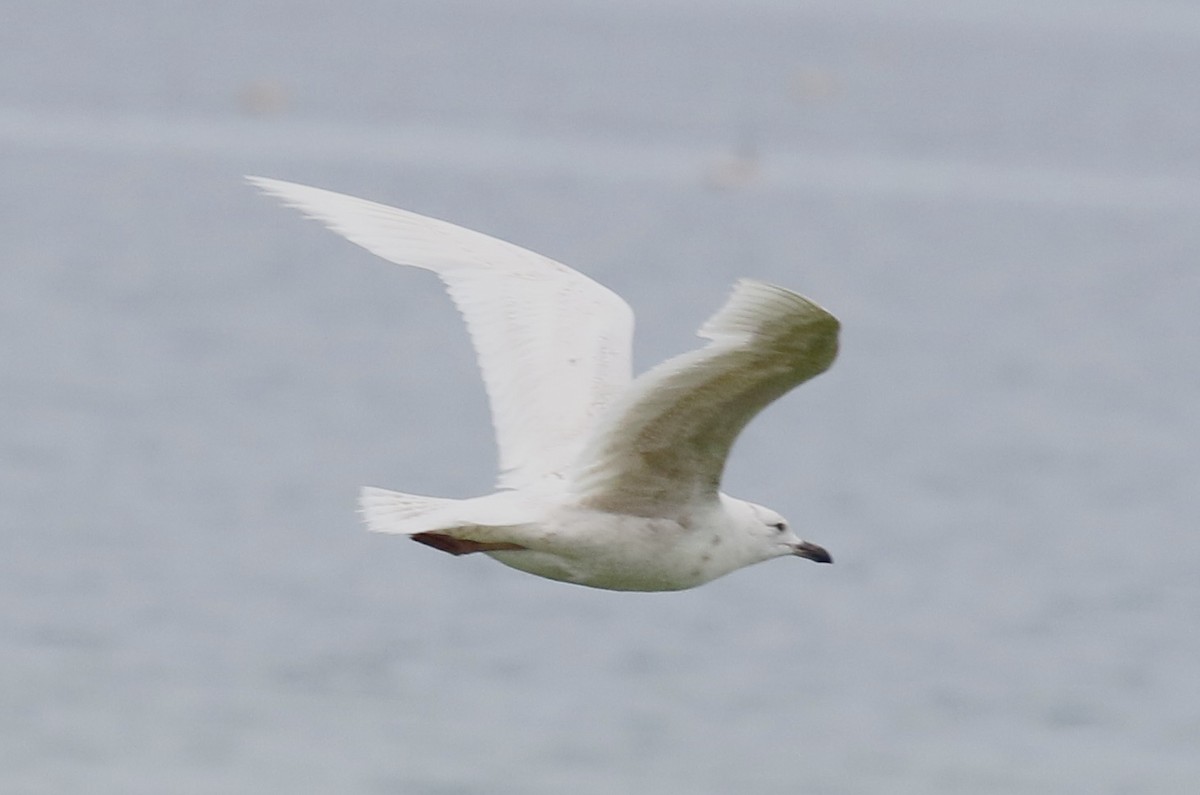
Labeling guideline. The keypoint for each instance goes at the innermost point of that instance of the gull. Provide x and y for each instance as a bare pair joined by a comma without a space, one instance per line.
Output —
606,480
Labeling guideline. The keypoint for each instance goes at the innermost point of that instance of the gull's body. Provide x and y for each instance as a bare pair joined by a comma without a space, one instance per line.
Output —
606,480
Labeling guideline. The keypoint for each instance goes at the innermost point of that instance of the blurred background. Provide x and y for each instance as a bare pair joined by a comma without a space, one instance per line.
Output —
998,199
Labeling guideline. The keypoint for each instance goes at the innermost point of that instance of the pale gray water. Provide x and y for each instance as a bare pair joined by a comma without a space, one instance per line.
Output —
999,200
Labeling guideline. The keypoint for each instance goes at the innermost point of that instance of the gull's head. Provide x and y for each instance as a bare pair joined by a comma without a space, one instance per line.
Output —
772,532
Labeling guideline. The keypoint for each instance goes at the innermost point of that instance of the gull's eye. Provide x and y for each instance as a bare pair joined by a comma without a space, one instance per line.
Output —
780,526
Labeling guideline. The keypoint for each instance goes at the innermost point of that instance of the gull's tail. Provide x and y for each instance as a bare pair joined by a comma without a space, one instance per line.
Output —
482,524
395,512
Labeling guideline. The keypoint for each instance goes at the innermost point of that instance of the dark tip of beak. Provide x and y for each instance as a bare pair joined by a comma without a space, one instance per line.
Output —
813,552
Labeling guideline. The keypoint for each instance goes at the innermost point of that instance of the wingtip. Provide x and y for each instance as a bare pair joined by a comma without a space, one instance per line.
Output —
311,202
273,187
754,306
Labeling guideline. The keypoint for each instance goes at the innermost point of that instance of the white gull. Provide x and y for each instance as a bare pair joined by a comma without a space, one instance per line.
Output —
605,480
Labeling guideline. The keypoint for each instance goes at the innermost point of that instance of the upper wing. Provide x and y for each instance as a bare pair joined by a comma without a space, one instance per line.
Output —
554,346
665,443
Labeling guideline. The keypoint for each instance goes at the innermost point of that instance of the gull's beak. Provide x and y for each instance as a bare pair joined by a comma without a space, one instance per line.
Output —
813,552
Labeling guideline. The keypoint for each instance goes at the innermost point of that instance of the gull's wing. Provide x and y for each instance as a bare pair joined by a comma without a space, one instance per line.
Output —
664,444
554,346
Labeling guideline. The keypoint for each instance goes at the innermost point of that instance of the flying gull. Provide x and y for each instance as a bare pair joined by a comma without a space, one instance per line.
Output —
605,480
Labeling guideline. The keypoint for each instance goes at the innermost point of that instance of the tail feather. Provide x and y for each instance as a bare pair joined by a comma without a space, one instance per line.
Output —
479,524
387,511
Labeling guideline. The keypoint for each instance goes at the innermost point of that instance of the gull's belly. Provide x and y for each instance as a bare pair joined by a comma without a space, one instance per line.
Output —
622,553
